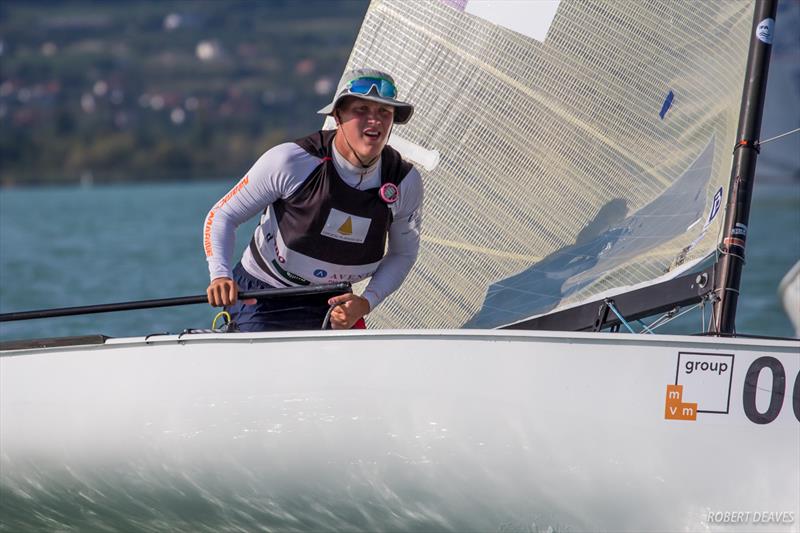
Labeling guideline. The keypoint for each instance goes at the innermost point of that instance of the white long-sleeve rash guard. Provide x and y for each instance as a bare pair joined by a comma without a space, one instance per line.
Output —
279,173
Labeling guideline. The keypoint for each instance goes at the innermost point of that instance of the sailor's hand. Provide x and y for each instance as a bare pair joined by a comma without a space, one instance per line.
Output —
349,308
224,292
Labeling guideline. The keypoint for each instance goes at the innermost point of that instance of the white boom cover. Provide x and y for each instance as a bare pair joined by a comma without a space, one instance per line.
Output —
567,148
402,431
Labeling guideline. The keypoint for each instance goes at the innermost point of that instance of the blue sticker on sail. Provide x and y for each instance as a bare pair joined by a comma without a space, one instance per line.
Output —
715,205
320,273
666,105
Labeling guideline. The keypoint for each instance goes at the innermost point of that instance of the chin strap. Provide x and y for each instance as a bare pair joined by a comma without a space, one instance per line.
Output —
363,165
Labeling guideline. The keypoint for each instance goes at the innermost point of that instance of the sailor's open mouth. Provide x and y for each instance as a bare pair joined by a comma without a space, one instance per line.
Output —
373,134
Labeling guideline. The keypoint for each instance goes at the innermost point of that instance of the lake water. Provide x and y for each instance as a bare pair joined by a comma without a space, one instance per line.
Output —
62,247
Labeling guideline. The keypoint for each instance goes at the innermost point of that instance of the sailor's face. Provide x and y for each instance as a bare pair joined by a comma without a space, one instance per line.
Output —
366,126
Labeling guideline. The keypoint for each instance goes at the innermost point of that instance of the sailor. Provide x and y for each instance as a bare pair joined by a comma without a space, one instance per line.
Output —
329,202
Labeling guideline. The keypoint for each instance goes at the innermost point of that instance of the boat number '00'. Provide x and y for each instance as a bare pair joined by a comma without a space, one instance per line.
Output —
778,391
707,378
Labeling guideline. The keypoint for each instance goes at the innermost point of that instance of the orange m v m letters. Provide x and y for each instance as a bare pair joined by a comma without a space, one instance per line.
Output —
675,409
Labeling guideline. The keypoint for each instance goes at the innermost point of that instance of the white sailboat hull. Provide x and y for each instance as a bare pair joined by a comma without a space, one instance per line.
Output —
425,430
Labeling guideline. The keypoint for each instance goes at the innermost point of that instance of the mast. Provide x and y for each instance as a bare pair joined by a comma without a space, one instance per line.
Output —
737,213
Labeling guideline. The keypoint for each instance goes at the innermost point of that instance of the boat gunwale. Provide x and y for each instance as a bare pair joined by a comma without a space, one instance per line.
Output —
490,335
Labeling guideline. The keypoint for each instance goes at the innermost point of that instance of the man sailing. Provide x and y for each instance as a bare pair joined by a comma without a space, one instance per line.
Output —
329,203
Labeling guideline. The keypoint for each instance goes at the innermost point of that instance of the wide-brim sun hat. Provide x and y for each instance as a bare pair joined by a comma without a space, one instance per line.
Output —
373,85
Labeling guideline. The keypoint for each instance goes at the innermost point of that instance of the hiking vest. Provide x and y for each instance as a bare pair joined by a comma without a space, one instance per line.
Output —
328,231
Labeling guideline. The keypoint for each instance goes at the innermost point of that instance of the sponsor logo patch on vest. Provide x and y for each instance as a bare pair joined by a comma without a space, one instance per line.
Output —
346,227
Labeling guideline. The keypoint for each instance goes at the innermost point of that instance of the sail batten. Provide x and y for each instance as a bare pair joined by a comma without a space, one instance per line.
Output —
583,161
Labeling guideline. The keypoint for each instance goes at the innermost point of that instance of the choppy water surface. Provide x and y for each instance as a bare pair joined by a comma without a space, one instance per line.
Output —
63,247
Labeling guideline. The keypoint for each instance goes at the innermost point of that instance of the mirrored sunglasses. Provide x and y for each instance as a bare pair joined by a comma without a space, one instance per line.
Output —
384,88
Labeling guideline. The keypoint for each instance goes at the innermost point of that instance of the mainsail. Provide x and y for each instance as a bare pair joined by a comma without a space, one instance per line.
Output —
568,148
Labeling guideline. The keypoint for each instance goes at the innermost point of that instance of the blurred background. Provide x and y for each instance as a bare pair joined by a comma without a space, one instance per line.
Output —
101,91
142,90
780,160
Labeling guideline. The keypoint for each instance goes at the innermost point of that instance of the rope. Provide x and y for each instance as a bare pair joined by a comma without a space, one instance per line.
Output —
725,252
744,143
667,317
711,319
644,326
703,314
655,324
729,289
670,319
779,136
327,320
610,305
225,315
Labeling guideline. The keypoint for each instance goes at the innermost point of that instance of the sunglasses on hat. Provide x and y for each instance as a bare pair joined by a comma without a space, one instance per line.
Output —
363,86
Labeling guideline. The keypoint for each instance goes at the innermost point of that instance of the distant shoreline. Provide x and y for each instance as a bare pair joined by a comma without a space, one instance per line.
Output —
99,182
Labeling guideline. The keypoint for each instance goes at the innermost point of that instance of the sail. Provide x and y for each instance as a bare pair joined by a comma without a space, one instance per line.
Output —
568,148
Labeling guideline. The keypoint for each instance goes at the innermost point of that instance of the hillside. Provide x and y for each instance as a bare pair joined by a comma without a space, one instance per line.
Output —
193,89
139,90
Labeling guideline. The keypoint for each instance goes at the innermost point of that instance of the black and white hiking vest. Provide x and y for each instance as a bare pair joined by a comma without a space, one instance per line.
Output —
327,231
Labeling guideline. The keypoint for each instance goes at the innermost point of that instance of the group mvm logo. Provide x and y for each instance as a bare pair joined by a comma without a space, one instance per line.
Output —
702,385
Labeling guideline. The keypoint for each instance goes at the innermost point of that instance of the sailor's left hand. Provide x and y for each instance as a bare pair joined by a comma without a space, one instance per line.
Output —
349,308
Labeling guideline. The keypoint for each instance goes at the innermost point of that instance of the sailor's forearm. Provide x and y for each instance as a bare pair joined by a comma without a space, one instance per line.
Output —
389,276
